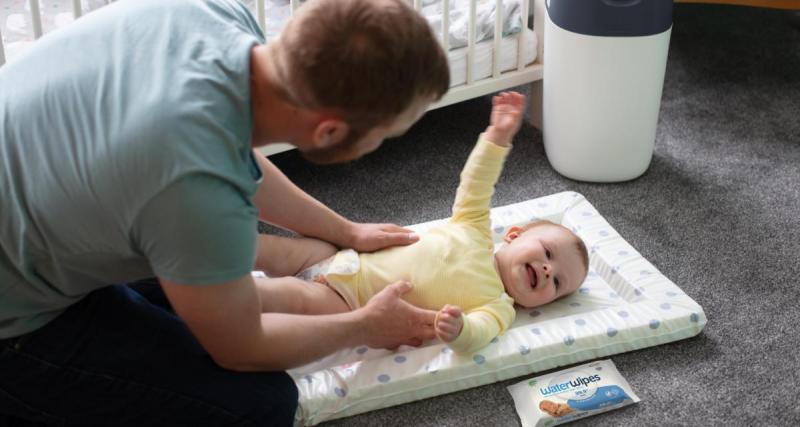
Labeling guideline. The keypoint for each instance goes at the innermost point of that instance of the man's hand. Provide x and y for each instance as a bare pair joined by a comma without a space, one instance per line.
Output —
449,322
372,237
508,108
389,322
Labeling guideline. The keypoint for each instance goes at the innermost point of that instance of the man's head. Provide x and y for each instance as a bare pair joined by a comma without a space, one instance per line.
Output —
541,262
367,69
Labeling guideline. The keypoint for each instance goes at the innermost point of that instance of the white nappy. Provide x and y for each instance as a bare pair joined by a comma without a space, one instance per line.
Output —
344,263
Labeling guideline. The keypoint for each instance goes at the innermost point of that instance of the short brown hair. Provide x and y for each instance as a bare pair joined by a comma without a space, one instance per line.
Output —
579,245
366,60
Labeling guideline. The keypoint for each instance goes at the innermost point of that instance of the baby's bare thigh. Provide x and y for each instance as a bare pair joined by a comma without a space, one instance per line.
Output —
297,296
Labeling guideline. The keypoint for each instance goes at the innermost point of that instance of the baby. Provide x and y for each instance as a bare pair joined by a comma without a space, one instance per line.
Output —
453,268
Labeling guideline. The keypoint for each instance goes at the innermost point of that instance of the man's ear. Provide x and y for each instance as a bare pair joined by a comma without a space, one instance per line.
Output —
512,233
330,132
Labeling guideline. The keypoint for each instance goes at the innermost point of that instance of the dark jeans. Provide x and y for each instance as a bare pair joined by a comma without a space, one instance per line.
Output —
122,357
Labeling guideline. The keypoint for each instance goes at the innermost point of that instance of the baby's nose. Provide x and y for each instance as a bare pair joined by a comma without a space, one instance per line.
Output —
547,271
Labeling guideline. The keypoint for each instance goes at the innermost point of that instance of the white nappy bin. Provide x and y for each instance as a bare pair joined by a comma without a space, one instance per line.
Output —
604,63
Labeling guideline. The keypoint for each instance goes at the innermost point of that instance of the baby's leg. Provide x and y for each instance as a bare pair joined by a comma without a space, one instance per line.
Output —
285,256
293,295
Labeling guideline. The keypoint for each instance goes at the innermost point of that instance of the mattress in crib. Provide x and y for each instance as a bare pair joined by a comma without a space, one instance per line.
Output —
624,304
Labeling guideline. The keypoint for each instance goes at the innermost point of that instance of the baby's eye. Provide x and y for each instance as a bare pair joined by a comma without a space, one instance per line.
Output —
555,282
547,253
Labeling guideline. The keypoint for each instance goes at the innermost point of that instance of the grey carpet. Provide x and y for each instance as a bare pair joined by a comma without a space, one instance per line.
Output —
717,212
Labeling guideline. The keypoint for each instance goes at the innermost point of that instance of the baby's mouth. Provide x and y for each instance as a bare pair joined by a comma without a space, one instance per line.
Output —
532,276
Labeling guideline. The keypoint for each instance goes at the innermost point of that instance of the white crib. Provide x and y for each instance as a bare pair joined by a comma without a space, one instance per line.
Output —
480,63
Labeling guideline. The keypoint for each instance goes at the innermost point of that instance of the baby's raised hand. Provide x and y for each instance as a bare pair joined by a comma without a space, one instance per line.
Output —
448,324
508,108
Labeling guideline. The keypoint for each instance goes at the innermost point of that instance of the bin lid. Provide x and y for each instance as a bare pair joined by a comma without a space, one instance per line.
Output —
611,18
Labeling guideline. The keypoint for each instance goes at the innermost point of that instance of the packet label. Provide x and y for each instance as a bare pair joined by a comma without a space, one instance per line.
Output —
570,394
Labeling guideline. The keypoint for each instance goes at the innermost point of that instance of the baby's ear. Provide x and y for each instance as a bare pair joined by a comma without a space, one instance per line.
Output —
512,233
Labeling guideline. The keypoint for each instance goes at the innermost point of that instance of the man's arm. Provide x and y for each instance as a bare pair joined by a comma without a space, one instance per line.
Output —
281,202
228,323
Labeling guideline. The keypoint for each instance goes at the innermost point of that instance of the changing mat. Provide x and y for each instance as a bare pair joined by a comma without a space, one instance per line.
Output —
624,304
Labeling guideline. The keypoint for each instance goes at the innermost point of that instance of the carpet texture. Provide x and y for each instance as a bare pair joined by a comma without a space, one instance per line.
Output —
718,212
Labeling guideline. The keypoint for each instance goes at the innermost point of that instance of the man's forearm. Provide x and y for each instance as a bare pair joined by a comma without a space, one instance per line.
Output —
282,203
290,340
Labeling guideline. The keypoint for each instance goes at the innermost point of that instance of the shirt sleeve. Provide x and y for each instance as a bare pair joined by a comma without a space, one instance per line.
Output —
199,230
484,323
475,190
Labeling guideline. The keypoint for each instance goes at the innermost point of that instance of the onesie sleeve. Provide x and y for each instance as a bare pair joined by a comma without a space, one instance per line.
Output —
484,323
480,173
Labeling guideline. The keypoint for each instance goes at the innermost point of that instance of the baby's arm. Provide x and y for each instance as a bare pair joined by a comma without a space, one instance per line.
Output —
467,333
285,256
483,167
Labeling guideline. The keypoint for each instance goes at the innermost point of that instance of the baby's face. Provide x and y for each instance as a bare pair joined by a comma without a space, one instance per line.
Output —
540,265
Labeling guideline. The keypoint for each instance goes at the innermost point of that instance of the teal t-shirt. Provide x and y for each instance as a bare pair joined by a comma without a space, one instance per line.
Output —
125,152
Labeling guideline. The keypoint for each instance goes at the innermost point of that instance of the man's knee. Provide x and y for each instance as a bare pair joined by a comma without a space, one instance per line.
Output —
273,401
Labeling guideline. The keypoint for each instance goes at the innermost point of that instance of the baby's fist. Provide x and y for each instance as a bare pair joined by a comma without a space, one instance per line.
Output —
449,321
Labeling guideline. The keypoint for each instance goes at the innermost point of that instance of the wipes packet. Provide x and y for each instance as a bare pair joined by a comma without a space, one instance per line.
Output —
570,394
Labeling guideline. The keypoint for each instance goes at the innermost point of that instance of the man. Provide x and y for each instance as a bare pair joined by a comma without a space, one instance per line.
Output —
127,152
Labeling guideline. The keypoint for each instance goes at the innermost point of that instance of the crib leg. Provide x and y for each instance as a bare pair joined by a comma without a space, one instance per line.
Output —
535,104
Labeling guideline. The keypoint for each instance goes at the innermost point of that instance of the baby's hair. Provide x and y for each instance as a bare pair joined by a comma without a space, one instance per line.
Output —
579,245
366,60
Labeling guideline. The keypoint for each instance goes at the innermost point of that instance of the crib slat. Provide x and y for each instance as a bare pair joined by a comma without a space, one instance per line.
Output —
498,34
36,18
295,4
446,25
418,5
261,16
521,37
76,9
2,50
471,41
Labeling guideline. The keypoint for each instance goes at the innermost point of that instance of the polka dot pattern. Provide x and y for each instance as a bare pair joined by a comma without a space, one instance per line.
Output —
610,306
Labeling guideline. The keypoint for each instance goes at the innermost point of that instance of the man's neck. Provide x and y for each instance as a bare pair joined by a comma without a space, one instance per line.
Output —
273,118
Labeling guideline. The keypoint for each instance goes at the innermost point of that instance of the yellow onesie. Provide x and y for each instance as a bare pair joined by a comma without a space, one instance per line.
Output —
451,264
